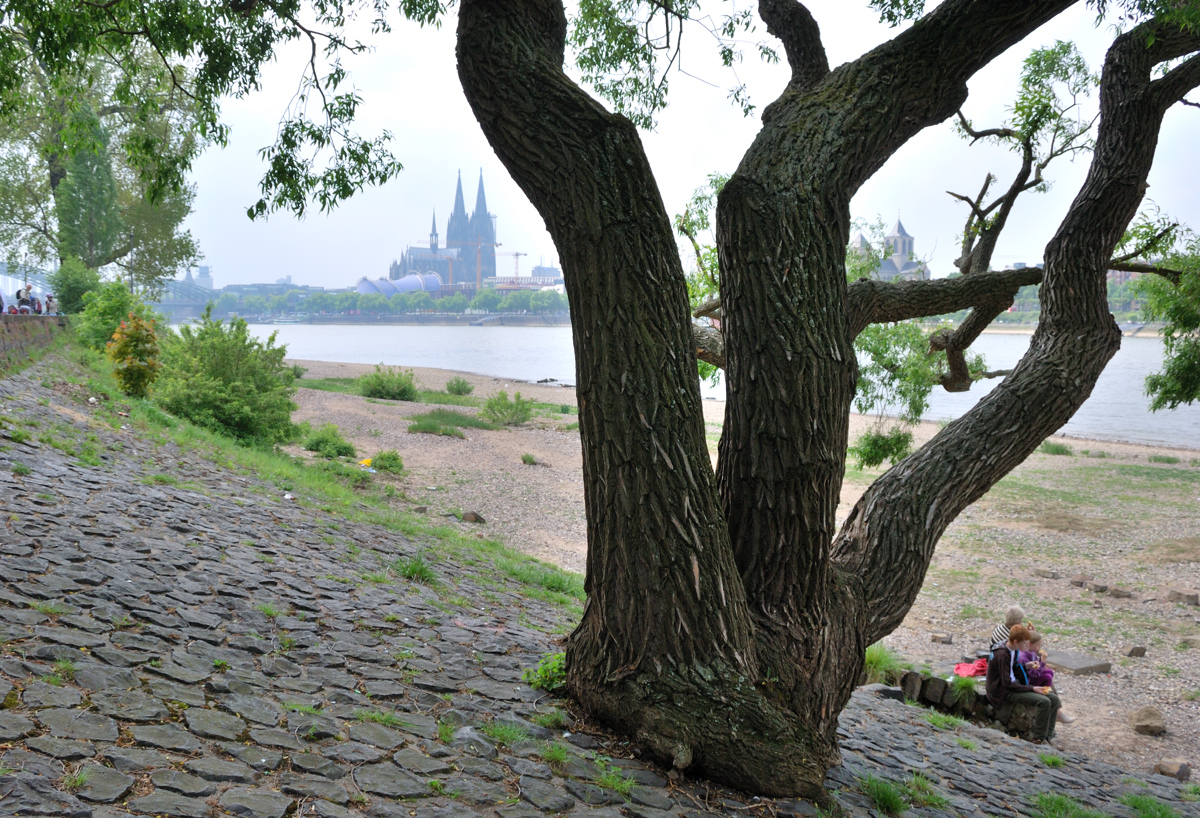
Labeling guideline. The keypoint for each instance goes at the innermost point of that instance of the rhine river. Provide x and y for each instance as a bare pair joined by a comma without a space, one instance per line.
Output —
1117,409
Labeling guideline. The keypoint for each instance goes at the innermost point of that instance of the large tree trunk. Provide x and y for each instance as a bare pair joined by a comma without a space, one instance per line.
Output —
725,630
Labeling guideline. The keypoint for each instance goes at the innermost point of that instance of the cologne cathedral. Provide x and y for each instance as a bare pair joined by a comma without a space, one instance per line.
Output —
469,253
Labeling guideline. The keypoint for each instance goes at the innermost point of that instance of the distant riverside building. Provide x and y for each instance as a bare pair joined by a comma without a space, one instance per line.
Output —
899,261
469,254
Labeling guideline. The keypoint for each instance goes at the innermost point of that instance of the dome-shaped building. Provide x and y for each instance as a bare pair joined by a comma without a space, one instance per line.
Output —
412,283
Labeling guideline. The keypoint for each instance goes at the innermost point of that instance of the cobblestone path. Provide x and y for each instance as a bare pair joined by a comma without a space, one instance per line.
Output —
197,645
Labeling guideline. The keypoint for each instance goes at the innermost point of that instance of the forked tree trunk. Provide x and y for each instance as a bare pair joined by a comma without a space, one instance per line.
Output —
725,632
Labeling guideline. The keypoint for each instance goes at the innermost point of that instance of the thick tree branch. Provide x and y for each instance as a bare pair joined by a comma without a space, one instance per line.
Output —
792,23
1137,267
1075,338
710,345
709,308
878,302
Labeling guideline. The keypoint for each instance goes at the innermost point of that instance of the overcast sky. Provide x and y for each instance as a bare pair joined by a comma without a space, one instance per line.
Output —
410,87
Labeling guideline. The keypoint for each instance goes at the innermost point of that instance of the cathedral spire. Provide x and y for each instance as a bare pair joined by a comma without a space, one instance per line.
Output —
480,200
433,234
458,227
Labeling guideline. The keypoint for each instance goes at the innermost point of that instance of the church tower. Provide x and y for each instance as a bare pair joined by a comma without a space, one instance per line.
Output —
458,227
483,233
433,234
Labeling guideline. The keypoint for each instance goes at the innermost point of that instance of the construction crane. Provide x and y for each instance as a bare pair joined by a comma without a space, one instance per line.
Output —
516,261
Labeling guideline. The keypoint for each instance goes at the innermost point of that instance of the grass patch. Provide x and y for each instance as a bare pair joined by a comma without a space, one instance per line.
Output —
20,469
554,754
1147,806
1050,447
504,733
268,610
543,575
883,665
528,459
1051,760
49,608
922,793
414,568
445,732
889,798
1055,805
1163,458
963,689
302,708
76,780
461,420
432,427
944,722
1190,792
343,385
64,669
379,717
554,720
966,743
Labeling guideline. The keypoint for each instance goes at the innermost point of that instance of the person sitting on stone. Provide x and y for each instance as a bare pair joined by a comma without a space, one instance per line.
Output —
1013,616
1008,684
1040,673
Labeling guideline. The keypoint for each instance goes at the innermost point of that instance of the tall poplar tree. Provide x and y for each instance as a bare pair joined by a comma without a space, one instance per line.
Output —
89,223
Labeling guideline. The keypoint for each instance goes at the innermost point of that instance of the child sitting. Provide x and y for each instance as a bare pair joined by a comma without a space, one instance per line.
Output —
1034,660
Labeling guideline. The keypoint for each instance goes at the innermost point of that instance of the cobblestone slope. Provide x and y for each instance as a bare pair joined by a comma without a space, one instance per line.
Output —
197,645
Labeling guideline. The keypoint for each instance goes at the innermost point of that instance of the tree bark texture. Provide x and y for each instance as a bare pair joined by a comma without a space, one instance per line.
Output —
726,618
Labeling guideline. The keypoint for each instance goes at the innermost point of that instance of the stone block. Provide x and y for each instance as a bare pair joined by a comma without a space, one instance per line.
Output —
941,638
1046,573
1176,768
1120,593
1183,595
1148,721
933,689
1135,651
910,683
1080,580
1097,587
884,691
1077,664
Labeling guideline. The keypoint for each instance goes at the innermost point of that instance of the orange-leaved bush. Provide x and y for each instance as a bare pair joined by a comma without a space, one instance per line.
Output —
134,353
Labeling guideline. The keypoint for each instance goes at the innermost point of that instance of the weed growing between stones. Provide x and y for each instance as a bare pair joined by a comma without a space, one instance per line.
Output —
268,610
1190,792
379,717
505,734
19,468
554,754
1054,805
445,732
49,608
64,669
414,568
74,781
922,793
612,778
378,577
888,796
549,675
943,721
966,743
302,708
220,665
1147,806
1051,760
554,720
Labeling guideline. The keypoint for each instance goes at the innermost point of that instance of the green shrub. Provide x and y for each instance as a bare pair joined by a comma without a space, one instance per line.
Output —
388,461
550,674
298,372
459,386
528,459
389,383
134,353
103,311
873,447
1050,447
414,568
329,443
221,378
500,409
70,282
882,665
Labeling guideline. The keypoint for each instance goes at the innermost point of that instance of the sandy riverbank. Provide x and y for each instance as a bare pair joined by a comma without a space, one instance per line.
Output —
1127,514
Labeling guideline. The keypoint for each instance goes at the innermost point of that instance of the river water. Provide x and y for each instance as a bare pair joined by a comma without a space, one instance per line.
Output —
1117,410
